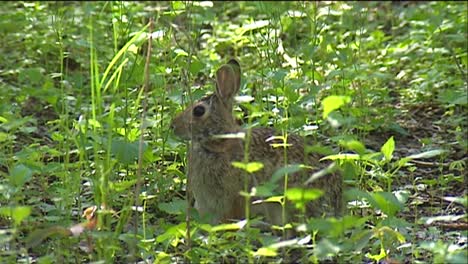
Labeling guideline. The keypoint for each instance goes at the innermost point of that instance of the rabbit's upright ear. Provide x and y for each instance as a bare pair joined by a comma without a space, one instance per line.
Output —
228,81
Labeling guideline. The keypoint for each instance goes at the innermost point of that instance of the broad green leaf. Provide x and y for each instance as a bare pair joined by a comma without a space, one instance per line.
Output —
388,148
300,194
356,194
126,152
19,175
326,248
288,169
451,96
354,145
387,202
265,190
335,227
18,213
173,232
176,206
300,197
332,103
385,230
249,167
94,123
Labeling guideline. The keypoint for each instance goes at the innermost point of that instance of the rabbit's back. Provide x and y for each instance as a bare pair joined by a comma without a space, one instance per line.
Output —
276,151
216,183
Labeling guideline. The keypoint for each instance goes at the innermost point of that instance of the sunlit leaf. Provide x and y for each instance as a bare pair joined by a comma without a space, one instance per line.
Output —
299,194
332,103
388,148
377,257
17,213
226,227
266,252
345,156
249,167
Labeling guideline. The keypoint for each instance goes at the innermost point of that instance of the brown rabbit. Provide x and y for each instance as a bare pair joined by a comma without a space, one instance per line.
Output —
215,183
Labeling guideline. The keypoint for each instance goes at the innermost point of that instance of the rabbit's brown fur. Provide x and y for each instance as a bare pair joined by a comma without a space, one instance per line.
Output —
216,184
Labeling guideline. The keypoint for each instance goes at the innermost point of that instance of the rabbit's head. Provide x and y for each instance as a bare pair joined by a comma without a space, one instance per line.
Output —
212,115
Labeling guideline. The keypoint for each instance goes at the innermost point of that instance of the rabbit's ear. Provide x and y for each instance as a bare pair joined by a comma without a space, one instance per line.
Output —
228,81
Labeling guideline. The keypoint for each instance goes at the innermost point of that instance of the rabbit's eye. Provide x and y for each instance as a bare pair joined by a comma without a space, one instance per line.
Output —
198,111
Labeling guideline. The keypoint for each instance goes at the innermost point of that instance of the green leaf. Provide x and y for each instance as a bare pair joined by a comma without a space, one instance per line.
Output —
379,256
393,233
344,156
19,175
266,189
18,213
196,66
249,167
450,96
34,75
288,169
388,148
226,227
126,152
175,207
335,227
173,232
300,196
387,202
332,103
354,145
123,185
266,252
326,248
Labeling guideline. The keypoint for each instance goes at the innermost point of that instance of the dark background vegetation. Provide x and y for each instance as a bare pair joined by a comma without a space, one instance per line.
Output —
71,90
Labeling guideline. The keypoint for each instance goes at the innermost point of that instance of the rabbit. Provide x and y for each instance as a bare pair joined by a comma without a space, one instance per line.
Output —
213,181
